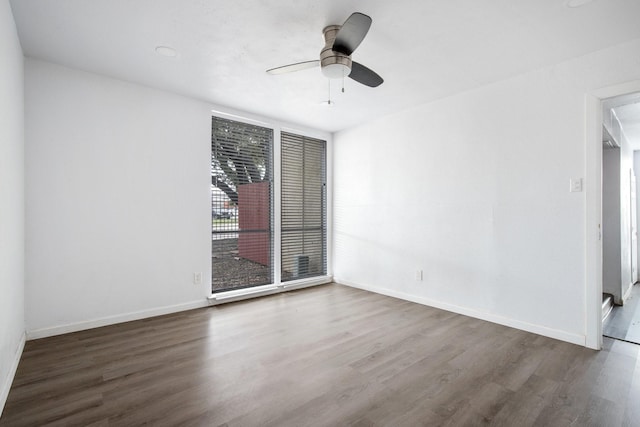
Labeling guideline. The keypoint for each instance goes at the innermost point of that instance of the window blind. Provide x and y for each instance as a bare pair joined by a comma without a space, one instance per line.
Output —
241,205
304,231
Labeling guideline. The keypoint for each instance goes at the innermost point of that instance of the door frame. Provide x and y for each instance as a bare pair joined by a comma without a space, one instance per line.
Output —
593,207
634,225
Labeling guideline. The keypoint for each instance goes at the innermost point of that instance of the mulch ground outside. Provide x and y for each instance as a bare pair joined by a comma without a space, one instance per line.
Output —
230,271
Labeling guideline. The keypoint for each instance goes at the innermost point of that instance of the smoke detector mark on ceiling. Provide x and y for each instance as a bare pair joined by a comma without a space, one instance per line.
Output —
577,3
167,51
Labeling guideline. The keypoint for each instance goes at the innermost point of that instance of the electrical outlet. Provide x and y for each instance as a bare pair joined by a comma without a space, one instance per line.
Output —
197,278
575,185
419,275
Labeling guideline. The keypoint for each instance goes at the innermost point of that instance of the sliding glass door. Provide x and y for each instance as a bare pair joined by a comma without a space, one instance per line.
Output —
304,195
244,208
241,205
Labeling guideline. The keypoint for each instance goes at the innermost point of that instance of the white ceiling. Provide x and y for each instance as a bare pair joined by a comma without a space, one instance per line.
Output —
424,49
629,117
627,110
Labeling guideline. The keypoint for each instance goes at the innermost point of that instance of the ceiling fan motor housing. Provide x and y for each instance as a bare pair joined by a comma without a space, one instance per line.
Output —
340,41
334,65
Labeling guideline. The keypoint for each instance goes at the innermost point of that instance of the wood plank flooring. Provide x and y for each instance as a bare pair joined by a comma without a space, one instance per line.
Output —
324,356
623,322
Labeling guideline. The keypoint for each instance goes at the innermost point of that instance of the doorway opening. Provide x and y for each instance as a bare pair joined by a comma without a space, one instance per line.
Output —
620,166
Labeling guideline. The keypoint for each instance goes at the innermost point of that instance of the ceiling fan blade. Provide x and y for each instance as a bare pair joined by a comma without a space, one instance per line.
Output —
363,75
294,67
352,33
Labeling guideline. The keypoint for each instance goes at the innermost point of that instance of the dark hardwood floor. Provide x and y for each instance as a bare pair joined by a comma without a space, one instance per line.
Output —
324,356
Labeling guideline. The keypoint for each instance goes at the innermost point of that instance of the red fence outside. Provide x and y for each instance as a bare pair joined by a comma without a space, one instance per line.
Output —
254,222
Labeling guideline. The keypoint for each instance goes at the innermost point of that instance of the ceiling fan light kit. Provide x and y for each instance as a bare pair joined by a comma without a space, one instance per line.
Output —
334,65
335,57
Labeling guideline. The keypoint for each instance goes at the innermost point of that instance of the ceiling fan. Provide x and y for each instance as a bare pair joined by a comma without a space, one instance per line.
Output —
335,57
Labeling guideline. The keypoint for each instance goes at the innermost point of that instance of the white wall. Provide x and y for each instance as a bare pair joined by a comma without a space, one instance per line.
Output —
474,190
611,229
117,193
11,200
626,166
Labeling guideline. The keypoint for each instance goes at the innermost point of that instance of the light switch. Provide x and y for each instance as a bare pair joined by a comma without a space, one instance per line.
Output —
575,185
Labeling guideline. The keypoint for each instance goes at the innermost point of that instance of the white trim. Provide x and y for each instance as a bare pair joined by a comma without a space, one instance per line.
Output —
505,321
593,208
305,283
268,122
260,291
112,320
593,221
221,298
277,205
329,198
627,294
243,291
241,117
4,392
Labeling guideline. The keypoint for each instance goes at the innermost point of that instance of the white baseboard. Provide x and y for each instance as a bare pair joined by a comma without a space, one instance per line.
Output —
6,386
111,320
627,294
260,291
490,317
